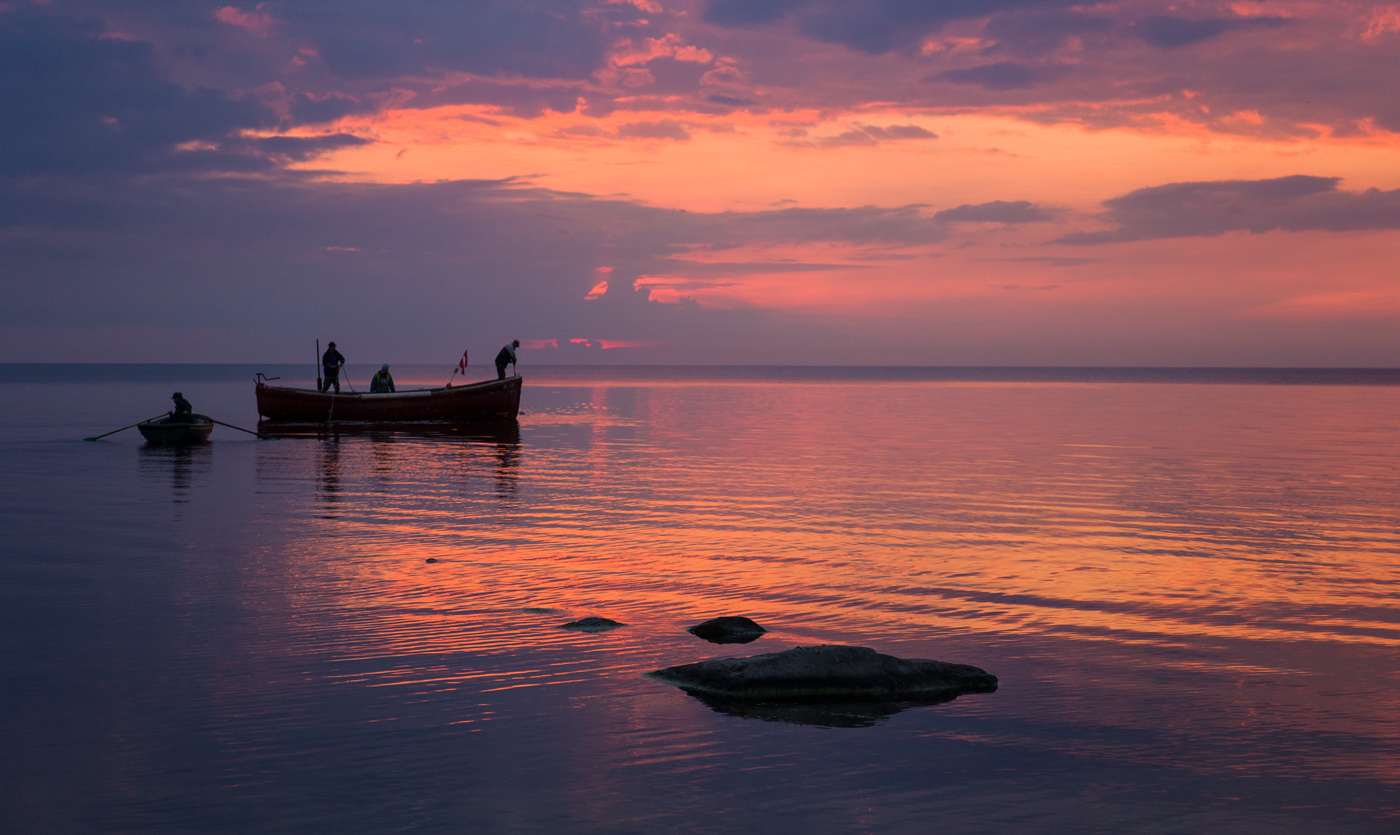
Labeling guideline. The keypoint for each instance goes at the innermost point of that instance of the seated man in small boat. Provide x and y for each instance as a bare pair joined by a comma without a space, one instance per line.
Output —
184,412
382,380
504,358
331,363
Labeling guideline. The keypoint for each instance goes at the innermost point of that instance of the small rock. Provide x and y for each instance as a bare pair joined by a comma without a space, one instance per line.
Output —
827,673
592,625
728,630
430,559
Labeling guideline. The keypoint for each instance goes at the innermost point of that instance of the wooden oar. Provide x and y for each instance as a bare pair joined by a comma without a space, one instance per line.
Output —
124,428
260,435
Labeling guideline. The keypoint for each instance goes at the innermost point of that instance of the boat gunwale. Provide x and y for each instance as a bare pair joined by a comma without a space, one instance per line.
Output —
165,420
417,392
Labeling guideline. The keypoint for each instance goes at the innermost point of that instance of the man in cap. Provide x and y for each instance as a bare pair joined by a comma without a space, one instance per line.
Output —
331,363
184,412
382,380
504,358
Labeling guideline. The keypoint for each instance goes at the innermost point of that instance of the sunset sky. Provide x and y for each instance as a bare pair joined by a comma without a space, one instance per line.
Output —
892,182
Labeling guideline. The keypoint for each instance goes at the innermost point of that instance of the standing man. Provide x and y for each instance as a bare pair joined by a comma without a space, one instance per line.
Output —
506,357
331,363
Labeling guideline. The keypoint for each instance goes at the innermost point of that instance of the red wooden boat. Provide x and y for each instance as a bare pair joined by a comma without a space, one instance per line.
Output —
491,401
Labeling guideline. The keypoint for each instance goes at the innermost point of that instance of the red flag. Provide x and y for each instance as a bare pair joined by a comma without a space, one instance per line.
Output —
462,366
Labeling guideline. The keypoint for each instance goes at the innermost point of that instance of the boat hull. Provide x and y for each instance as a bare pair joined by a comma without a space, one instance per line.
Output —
163,431
488,402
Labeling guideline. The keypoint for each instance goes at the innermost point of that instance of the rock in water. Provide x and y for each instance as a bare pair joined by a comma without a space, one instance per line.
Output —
826,673
727,630
592,625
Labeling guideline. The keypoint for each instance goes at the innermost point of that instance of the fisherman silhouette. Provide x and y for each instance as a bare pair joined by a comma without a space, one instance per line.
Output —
331,363
506,357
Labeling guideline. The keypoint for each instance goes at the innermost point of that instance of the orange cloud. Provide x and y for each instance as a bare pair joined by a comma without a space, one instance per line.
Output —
257,21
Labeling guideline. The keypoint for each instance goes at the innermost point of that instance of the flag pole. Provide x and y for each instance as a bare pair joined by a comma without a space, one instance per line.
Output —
462,367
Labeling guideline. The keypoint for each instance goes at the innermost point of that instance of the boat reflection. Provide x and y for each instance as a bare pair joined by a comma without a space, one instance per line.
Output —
328,478
351,460
177,462
822,714
506,432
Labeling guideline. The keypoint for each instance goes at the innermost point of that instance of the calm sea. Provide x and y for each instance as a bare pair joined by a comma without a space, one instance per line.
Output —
1187,581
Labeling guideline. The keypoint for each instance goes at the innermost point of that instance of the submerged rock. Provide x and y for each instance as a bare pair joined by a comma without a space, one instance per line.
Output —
728,630
827,673
592,625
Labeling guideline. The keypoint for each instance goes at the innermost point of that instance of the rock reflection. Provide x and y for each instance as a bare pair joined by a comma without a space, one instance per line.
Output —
746,638
822,714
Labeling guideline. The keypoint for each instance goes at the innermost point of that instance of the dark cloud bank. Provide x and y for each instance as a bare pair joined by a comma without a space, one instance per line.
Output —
870,26
284,64
75,101
1293,204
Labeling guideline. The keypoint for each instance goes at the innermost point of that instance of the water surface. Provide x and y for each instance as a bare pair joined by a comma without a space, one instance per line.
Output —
1187,584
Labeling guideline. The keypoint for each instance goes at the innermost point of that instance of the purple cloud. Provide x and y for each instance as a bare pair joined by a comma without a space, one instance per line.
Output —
870,26
361,39
1034,33
75,101
1004,75
1169,32
860,135
1203,209
302,148
664,129
997,211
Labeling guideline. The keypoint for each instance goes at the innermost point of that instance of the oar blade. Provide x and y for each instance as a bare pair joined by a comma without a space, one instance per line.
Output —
259,435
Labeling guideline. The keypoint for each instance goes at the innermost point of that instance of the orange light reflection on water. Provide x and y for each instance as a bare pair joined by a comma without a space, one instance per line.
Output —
1237,543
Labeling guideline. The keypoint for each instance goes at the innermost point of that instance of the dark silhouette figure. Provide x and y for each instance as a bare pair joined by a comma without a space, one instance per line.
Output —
506,357
331,363
184,412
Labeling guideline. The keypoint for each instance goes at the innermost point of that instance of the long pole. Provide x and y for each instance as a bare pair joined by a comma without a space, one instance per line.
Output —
124,428
319,387
260,435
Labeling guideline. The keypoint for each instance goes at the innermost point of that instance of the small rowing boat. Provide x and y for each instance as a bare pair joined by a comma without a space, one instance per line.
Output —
166,431
487,402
